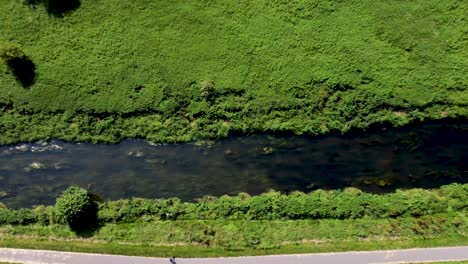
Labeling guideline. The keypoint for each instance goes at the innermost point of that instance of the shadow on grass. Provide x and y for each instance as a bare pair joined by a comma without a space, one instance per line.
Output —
32,2
59,8
86,224
24,70
87,232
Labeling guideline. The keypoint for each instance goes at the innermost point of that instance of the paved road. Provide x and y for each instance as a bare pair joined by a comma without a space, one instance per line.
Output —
391,256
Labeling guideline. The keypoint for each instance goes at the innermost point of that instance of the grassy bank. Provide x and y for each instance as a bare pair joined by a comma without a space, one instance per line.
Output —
180,70
271,223
194,251
238,238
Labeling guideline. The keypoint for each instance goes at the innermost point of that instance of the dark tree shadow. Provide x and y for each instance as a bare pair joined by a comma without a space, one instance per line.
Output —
59,8
24,70
86,232
87,223
32,2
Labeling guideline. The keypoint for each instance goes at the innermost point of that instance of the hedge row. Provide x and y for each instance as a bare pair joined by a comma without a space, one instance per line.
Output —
349,203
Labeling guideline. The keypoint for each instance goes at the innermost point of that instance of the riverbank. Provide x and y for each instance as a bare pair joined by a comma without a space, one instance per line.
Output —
429,155
271,223
112,241
192,70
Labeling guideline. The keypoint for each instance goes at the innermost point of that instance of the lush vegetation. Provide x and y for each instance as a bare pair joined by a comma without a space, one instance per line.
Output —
77,205
348,204
243,223
179,70
237,238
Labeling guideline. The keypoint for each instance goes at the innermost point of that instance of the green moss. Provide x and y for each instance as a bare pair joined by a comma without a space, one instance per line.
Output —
181,70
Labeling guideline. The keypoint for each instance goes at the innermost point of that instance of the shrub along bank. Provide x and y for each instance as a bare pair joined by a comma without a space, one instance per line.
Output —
350,203
239,225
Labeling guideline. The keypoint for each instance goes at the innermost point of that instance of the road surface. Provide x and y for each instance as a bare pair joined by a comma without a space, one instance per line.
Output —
357,257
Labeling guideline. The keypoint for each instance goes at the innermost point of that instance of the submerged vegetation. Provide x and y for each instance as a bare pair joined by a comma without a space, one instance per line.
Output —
180,70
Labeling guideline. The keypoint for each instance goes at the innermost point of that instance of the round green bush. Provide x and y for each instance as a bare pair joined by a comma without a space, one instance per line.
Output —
77,208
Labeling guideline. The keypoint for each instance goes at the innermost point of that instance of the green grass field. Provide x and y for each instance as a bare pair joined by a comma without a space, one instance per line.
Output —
182,70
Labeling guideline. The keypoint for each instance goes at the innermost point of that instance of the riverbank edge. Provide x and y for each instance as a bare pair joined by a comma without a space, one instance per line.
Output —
83,128
191,251
147,235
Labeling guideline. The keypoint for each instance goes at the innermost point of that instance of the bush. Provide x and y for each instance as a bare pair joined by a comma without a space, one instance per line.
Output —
128,211
44,214
457,195
77,208
17,217
320,204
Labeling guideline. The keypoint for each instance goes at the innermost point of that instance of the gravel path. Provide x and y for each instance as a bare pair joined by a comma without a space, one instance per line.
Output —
389,256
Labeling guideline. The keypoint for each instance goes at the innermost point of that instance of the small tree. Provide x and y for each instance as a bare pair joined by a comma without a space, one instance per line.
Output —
77,208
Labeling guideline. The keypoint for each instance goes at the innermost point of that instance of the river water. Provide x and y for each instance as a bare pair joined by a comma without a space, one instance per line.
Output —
426,155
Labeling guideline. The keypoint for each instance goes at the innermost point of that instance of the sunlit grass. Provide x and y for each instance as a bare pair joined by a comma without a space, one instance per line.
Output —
197,251
143,68
236,238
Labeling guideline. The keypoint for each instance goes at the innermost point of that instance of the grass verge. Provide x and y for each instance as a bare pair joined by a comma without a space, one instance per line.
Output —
216,238
197,251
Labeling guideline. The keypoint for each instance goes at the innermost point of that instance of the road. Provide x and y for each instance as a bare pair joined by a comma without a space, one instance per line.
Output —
389,256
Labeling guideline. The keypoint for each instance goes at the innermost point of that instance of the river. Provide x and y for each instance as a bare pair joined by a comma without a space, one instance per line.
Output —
424,156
